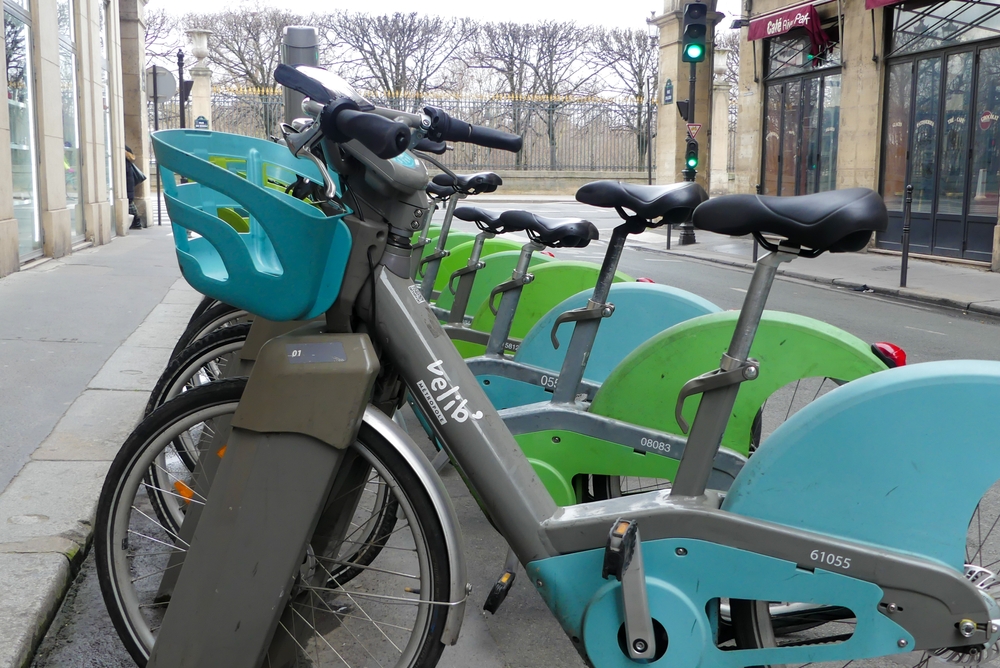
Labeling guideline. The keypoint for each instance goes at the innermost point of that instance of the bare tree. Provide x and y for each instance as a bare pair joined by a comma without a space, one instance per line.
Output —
730,39
631,57
400,56
505,49
162,37
245,47
560,67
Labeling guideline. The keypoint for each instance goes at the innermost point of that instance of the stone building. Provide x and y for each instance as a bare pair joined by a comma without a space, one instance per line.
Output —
70,95
872,93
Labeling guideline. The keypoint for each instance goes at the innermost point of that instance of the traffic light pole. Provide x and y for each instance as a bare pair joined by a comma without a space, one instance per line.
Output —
686,237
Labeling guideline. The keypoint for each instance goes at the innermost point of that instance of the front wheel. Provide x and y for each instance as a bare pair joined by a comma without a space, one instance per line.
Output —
377,593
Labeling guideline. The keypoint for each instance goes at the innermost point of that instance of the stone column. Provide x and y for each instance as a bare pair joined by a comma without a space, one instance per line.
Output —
671,128
9,261
55,218
719,137
133,37
201,89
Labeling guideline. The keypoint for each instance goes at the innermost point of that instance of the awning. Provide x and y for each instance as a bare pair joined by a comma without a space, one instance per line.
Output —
875,4
781,21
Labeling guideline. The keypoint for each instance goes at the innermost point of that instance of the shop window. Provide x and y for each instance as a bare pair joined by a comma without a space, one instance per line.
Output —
801,116
70,116
20,105
921,26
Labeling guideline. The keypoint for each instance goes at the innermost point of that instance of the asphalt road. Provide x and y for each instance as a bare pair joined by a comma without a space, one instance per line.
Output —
523,633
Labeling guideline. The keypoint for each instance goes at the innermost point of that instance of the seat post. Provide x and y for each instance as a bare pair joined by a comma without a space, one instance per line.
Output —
511,291
588,319
716,405
466,276
430,276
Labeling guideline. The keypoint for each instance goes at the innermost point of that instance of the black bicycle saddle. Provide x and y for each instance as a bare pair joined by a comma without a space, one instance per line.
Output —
553,232
838,221
439,190
486,220
471,184
671,203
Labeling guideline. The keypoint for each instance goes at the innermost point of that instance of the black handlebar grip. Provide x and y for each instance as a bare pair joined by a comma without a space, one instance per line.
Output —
383,137
446,128
498,139
289,77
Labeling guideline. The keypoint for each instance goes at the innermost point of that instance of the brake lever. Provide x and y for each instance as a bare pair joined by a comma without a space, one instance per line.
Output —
300,144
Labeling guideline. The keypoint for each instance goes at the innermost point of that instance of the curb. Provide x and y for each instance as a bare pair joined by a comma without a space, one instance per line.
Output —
47,511
905,294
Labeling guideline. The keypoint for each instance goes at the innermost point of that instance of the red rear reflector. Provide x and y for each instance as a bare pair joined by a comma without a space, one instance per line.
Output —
890,353
644,280
549,253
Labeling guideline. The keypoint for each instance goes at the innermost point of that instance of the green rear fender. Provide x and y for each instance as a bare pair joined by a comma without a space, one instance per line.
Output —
499,268
554,282
459,258
644,387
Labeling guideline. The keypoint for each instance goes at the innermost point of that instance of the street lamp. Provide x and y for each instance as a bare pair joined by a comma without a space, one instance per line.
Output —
654,34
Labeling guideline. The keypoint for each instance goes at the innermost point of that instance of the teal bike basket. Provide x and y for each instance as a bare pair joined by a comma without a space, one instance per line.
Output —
257,248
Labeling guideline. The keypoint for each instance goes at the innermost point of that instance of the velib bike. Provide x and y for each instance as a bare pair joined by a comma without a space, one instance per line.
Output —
847,535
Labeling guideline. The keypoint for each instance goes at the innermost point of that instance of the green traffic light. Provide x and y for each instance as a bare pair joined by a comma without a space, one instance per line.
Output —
694,51
692,162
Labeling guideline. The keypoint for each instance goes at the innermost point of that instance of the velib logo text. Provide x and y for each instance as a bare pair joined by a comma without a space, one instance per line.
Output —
449,396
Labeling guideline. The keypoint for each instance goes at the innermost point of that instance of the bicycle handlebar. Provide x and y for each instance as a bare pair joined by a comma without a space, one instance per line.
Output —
445,128
342,121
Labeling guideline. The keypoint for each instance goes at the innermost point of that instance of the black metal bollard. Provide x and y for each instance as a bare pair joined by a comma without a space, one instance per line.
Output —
906,235
670,230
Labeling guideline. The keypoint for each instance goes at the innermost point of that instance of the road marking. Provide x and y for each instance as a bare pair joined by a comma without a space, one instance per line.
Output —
738,289
656,259
929,331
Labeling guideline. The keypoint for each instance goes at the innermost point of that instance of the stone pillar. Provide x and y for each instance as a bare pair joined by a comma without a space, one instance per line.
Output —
671,128
719,137
9,261
136,117
55,218
201,88
860,135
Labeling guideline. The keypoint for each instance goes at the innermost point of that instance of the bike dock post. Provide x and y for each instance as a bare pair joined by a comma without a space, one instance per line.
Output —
906,235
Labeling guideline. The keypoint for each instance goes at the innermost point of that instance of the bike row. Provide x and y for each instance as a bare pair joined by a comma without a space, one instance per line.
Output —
350,521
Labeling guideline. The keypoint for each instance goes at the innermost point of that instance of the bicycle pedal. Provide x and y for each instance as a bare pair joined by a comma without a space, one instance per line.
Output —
620,549
499,592
623,560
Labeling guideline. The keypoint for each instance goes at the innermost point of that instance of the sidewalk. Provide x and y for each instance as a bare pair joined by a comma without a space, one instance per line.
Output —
955,285
82,341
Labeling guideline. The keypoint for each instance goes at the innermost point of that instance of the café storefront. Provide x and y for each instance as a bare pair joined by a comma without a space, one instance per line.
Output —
880,94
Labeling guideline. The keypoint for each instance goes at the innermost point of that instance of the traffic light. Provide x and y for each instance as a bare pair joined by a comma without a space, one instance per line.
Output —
691,155
694,32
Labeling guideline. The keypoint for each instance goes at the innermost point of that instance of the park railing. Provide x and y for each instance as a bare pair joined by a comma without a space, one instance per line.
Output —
560,133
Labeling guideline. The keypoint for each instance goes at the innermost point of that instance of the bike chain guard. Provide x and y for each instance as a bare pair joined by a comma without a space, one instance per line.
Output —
730,372
592,311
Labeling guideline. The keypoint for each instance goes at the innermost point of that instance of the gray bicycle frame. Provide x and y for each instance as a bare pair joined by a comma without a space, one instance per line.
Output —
929,596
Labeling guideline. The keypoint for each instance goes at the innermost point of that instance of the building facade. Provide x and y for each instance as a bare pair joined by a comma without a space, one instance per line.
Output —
879,94
62,131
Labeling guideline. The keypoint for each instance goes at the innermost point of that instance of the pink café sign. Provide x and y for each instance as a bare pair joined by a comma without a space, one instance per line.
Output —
779,23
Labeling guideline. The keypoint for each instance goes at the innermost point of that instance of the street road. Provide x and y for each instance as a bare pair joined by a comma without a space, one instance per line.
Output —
523,633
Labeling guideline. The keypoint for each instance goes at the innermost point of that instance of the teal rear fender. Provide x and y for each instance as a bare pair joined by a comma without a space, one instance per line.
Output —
644,387
899,459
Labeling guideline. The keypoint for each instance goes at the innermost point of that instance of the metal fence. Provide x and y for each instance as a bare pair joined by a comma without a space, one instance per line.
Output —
565,134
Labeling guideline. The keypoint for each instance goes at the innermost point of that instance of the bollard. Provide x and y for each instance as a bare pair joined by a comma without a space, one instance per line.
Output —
299,46
670,230
906,235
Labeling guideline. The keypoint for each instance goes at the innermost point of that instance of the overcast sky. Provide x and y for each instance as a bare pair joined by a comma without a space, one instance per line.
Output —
613,13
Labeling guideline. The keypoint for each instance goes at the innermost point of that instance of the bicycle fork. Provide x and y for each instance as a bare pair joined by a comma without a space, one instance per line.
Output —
284,462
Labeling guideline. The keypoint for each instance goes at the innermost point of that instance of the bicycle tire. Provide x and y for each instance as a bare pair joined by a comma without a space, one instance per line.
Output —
125,609
215,317
203,305
186,364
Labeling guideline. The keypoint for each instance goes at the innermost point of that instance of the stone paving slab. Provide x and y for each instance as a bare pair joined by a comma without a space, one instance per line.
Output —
132,368
94,427
33,587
